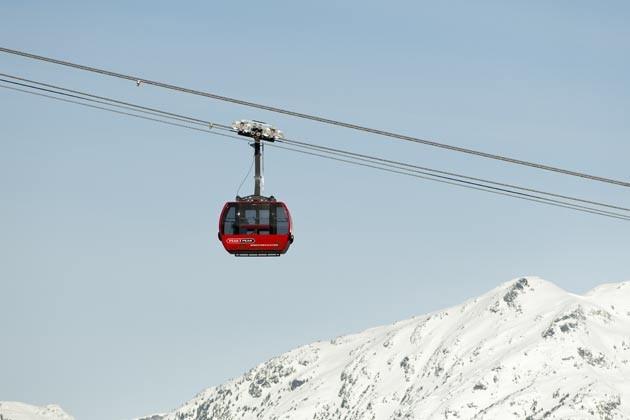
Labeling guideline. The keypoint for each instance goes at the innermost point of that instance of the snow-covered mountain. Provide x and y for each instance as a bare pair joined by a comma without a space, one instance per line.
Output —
525,350
10,410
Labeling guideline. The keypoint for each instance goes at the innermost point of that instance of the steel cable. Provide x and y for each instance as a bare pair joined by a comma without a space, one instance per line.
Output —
385,162
403,171
140,80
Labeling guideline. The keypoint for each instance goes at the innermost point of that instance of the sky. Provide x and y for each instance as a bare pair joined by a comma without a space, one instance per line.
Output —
118,300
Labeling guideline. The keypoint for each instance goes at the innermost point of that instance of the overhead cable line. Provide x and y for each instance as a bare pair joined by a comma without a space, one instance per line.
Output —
512,194
104,100
139,80
357,156
416,168
403,171
118,112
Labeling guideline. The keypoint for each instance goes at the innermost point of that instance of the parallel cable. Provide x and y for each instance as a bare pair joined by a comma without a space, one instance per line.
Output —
427,176
419,169
358,156
536,200
104,100
139,80
121,112
475,184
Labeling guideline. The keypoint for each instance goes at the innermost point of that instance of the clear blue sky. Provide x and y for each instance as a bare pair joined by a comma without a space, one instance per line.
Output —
117,299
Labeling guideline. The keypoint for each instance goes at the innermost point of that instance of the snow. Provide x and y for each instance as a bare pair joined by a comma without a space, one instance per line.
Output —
525,350
10,410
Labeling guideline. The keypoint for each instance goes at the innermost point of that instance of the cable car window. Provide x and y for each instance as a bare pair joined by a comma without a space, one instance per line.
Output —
254,219
282,221
229,221
256,215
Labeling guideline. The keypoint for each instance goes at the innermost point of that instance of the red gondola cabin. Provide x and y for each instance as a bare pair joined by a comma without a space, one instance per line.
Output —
255,228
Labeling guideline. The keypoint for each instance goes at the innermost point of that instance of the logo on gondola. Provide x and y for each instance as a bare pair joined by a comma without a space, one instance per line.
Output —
240,241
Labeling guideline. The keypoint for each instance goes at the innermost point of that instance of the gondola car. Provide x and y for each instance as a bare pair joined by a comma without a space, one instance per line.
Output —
255,228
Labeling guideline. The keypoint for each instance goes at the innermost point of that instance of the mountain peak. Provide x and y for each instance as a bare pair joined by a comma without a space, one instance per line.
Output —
528,285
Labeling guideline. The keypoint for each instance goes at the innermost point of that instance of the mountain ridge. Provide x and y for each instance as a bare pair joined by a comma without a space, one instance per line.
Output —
526,349
13,410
